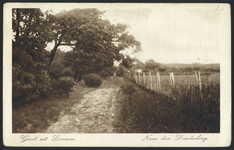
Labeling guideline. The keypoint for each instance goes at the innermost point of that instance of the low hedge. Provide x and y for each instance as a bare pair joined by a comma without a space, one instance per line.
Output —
93,80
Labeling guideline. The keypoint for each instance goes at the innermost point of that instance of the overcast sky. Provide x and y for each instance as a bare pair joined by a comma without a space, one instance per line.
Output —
168,33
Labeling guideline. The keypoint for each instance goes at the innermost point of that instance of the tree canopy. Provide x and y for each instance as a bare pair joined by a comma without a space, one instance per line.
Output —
151,64
96,41
29,56
96,44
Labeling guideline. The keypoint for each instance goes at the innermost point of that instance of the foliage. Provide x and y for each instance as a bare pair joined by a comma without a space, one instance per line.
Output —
85,63
216,69
27,85
189,69
192,67
103,73
96,42
29,74
70,27
58,68
151,64
120,71
93,80
62,76
127,62
63,85
31,27
161,69
107,72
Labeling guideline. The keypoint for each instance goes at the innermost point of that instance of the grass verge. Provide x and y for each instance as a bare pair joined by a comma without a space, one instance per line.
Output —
35,116
148,112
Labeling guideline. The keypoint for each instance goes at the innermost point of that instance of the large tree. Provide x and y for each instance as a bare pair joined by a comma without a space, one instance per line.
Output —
33,25
96,41
151,64
30,61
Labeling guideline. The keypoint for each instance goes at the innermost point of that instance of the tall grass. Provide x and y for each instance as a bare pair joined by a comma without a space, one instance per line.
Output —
188,111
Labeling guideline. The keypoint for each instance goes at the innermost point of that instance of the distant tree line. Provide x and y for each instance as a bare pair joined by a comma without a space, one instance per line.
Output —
151,65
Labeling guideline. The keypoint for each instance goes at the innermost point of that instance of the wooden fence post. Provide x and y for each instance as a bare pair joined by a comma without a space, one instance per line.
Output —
144,78
171,78
151,86
196,76
139,75
199,79
156,86
158,82
200,85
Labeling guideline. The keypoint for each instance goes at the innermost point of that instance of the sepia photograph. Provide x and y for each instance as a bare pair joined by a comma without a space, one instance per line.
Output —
118,69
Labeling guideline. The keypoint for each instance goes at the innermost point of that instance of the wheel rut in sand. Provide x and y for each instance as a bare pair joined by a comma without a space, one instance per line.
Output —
94,114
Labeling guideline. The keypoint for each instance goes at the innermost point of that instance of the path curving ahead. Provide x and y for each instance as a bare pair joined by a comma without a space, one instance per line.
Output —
96,112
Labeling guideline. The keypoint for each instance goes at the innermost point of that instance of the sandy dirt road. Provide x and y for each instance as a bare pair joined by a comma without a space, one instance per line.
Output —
97,111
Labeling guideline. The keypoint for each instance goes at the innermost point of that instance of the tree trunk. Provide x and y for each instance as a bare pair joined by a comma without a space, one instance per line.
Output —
53,52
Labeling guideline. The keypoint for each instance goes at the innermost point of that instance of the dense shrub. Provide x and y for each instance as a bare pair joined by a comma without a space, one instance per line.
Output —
120,71
30,79
111,70
63,85
68,72
103,73
79,77
24,88
93,80
58,68
127,62
61,72
107,72
162,69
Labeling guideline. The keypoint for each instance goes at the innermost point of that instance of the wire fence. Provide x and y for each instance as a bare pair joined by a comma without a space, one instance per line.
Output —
190,95
163,83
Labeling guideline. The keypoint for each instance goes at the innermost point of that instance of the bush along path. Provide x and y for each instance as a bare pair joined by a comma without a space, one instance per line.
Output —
96,112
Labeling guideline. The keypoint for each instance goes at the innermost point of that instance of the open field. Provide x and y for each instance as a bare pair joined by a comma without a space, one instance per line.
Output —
179,80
